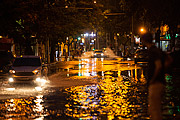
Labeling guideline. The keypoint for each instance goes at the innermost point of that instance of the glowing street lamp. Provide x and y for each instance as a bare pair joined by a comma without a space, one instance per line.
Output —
142,30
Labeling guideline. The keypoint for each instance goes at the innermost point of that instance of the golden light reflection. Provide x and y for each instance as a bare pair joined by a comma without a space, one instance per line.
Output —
136,79
24,108
39,107
115,97
92,67
142,79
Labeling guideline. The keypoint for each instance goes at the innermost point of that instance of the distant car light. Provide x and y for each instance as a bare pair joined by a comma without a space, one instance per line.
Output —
11,80
35,71
128,58
12,71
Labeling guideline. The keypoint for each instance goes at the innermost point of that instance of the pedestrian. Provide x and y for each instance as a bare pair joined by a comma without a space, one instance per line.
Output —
156,77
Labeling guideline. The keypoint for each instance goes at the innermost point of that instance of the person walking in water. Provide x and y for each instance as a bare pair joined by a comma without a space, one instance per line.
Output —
156,77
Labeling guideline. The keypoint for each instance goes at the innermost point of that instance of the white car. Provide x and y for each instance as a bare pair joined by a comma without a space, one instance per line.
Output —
26,69
98,53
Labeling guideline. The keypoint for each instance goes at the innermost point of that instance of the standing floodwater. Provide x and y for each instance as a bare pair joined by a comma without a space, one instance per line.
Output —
118,92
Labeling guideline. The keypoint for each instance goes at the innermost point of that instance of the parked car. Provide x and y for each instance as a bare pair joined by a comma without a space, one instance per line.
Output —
141,55
26,69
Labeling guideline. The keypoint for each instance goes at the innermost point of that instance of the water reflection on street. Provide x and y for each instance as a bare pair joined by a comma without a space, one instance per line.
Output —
120,94
111,98
24,108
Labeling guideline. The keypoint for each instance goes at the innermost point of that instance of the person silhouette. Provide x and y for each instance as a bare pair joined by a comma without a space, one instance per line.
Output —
156,77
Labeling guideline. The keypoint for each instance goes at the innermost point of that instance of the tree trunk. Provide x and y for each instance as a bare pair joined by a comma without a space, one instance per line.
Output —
53,51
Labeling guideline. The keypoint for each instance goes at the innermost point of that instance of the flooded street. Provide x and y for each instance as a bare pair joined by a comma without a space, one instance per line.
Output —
88,89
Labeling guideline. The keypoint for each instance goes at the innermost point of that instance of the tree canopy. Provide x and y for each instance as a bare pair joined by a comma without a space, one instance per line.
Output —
57,19
50,18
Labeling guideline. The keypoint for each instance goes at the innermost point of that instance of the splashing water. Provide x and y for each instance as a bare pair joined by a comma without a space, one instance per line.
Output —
108,53
87,54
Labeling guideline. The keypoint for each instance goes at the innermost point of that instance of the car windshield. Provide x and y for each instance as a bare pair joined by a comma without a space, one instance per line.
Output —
27,62
98,51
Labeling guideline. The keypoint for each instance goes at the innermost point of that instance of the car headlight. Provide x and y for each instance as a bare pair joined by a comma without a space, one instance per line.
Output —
128,58
38,79
38,88
11,80
36,72
41,81
12,71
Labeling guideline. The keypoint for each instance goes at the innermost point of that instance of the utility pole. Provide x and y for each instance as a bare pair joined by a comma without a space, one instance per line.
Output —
97,41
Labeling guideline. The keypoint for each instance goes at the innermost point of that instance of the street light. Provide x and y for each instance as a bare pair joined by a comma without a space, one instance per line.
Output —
142,30
79,38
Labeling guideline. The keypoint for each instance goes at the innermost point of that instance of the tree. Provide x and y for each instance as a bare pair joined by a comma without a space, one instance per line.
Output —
50,20
17,22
